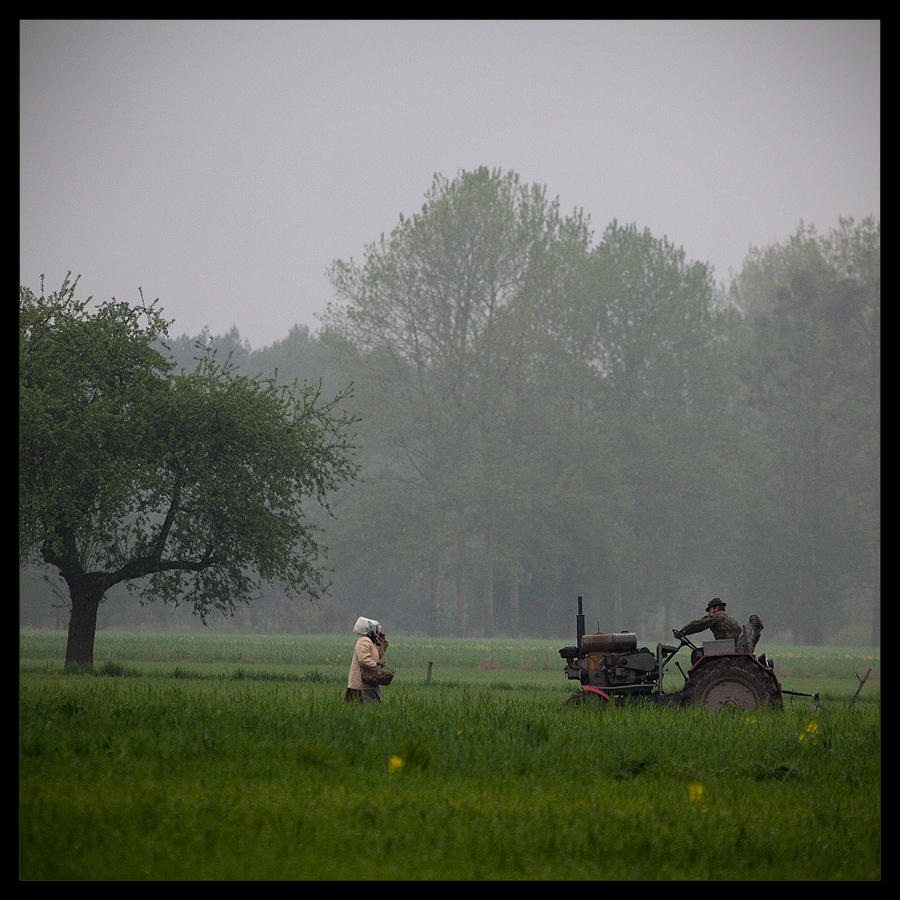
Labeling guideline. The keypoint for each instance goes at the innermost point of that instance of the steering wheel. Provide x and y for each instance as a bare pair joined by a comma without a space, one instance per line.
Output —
684,640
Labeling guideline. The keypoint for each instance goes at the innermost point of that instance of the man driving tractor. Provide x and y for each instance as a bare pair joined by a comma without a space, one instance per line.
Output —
722,625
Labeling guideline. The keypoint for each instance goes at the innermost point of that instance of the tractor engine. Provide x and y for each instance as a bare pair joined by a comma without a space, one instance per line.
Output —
610,661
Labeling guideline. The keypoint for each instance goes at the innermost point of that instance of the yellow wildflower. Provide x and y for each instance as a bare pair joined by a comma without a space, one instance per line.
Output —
395,764
697,795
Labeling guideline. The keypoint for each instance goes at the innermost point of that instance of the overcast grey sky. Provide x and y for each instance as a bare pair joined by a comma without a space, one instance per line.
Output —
222,166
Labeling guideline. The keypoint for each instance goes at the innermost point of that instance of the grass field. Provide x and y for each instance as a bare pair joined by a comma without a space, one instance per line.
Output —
205,757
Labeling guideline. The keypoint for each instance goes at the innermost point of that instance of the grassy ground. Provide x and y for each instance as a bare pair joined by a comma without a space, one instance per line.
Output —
196,757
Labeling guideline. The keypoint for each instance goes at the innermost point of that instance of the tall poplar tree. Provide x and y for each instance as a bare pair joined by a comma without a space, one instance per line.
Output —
439,318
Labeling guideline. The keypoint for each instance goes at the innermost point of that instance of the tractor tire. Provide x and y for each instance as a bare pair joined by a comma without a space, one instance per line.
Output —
731,681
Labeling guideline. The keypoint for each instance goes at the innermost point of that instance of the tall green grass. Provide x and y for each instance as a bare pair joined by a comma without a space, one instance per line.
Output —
290,650
832,672
485,775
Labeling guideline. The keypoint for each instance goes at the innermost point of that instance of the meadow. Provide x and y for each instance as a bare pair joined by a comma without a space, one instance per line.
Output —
190,756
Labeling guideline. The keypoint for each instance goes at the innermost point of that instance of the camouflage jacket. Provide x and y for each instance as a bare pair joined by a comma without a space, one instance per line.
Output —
720,623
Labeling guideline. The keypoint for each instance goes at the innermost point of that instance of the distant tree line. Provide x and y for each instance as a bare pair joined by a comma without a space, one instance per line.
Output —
544,415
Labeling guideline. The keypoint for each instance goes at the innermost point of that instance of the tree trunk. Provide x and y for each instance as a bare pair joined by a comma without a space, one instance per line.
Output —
876,595
639,604
461,610
82,623
489,605
514,608
489,587
434,589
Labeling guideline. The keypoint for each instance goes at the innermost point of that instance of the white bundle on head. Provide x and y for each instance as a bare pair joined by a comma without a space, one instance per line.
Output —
366,626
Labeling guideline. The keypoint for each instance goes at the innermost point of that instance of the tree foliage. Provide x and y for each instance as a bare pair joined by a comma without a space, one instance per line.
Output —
813,309
516,376
542,416
189,485
546,418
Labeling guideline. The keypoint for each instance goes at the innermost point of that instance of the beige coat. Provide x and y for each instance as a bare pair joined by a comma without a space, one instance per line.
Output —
364,654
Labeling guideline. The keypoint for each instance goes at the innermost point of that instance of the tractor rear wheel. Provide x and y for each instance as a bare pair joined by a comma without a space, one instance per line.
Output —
731,681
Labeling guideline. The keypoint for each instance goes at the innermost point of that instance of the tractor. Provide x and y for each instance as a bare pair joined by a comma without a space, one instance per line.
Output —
611,667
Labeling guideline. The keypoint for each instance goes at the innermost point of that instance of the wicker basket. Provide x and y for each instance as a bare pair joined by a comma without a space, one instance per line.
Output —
376,676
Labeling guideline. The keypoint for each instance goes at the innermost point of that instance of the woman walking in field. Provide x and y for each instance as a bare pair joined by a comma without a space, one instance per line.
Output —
368,657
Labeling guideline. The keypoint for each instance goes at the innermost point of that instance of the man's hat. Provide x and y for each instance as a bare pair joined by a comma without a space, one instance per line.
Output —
715,602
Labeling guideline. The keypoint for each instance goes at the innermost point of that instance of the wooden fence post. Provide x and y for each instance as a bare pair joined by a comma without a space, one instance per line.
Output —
862,681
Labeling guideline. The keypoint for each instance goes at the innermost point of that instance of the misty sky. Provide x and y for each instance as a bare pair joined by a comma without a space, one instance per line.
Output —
222,166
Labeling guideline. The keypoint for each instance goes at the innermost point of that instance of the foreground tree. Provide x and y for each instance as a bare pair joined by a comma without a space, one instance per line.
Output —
187,486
